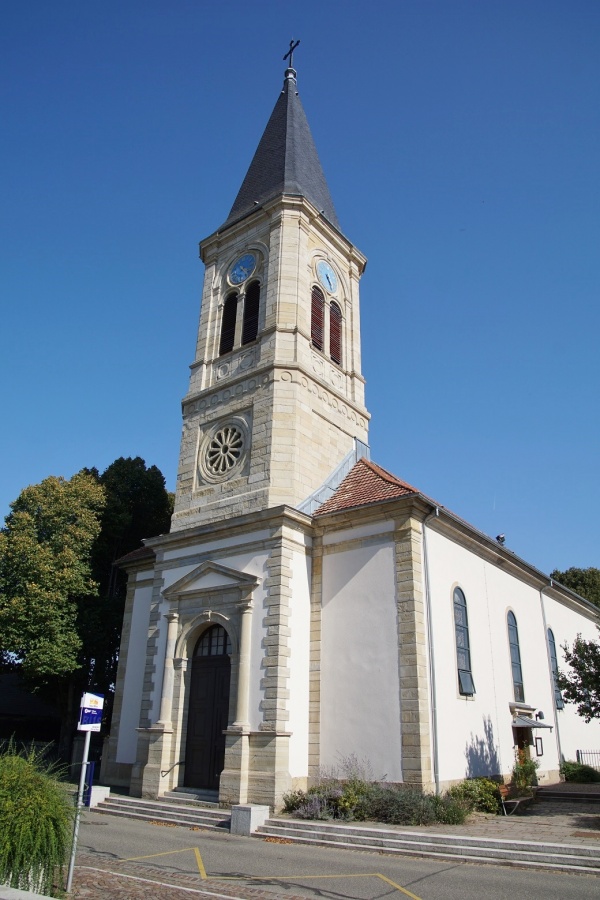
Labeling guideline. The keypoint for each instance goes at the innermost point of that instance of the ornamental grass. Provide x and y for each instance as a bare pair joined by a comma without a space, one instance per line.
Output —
36,815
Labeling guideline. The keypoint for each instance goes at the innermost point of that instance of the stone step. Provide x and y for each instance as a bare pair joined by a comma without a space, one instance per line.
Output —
548,795
465,847
187,813
207,799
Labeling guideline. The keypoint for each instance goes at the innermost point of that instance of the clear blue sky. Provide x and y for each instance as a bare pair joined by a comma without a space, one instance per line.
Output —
461,143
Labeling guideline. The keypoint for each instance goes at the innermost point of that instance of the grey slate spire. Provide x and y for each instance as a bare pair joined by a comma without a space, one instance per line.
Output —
286,161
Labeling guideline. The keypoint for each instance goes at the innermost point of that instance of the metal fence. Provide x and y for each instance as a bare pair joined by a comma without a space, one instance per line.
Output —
589,758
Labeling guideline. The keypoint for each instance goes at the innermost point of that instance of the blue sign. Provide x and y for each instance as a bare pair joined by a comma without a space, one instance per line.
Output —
90,712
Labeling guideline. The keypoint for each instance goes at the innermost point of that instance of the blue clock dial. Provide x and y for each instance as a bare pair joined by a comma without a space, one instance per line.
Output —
327,276
242,269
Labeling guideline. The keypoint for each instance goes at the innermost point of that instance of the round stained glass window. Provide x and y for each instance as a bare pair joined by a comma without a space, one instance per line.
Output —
224,450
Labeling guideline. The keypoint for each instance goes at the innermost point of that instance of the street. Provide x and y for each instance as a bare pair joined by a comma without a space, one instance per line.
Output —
280,869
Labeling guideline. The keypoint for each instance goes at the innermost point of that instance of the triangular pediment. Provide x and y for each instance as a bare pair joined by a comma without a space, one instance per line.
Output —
210,576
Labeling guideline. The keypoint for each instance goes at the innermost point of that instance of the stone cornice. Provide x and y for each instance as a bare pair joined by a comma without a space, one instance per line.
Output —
269,518
267,212
270,367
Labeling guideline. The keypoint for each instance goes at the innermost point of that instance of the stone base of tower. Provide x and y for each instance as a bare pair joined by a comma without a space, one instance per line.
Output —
154,753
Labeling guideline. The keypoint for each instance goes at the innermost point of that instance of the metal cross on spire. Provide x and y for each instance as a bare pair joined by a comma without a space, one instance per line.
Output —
290,52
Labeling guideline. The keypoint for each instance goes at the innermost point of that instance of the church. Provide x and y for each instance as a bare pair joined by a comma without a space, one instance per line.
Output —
308,605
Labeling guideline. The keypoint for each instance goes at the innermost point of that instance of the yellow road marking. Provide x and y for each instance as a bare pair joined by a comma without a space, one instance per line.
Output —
397,886
164,853
206,877
314,877
201,868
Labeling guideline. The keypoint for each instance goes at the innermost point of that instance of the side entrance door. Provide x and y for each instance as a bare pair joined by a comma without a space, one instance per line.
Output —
208,709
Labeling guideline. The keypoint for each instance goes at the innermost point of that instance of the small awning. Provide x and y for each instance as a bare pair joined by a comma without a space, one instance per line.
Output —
526,722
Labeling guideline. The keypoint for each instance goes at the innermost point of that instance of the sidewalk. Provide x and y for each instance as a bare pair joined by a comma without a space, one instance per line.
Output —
546,822
103,880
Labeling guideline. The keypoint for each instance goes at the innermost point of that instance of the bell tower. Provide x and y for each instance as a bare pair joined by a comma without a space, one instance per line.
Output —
276,395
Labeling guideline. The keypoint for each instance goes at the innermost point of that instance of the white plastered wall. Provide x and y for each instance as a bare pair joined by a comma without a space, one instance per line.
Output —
566,624
299,662
475,734
360,691
134,674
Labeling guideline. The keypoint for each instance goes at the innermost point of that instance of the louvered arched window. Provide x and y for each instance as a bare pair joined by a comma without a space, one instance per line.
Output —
228,324
335,333
251,309
515,658
558,700
463,646
317,319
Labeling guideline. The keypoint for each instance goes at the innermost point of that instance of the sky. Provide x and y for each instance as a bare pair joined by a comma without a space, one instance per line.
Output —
461,144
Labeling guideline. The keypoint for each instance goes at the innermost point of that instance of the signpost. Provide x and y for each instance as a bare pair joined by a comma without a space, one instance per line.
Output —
90,719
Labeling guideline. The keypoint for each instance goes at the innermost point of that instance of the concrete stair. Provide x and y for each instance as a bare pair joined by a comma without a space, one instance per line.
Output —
545,794
178,808
562,857
184,808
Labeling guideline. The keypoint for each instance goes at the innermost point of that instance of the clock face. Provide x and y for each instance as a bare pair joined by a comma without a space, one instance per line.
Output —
242,268
327,276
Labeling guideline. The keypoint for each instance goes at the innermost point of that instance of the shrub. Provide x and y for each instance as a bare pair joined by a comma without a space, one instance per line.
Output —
35,821
356,796
523,773
574,771
293,800
481,794
449,810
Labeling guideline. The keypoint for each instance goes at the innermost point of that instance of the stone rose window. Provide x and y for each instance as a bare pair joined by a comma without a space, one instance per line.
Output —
224,450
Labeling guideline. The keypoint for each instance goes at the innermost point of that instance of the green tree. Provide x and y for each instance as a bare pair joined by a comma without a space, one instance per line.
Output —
61,596
137,506
581,685
45,565
585,582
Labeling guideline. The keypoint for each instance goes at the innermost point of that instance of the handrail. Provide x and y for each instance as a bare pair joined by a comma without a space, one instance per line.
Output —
166,772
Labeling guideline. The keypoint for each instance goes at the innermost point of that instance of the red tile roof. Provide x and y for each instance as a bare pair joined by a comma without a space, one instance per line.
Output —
138,555
366,483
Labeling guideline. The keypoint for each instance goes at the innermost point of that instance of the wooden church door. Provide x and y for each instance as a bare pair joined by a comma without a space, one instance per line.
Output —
208,710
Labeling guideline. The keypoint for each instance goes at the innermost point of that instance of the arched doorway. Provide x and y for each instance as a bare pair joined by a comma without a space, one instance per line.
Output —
208,709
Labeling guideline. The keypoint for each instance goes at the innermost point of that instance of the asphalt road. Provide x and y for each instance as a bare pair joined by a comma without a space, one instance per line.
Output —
316,872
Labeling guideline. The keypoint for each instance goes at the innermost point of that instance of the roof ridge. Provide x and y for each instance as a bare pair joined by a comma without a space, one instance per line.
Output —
388,476
366,483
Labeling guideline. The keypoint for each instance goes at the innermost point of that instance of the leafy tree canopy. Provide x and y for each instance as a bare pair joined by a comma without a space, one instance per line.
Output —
585,582
61,596
45,550
581,685
137,506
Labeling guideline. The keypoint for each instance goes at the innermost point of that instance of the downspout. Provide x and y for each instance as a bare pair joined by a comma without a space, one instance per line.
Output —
430,655
551,670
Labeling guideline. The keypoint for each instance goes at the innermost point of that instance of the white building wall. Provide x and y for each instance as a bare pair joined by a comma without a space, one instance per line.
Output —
299,663
475,734
134,675
360,690
575,734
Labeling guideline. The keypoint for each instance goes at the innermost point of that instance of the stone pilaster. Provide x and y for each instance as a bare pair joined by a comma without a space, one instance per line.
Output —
274,682
233,784
414,698
153,758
